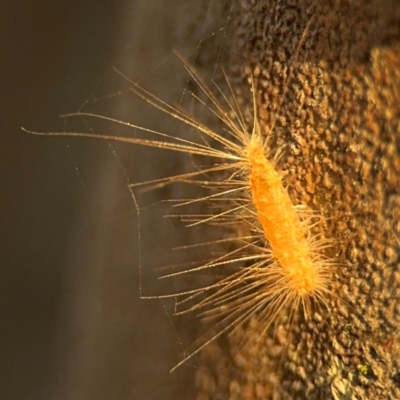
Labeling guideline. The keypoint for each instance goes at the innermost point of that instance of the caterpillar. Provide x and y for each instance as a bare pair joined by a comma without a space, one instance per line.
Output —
281,264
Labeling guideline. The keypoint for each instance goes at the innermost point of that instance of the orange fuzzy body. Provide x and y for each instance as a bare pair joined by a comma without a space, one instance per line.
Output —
281,223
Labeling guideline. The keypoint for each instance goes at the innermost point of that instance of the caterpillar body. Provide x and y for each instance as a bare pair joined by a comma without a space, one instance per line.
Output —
285,267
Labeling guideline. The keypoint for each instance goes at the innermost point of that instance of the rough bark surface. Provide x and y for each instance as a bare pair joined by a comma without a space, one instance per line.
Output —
327,76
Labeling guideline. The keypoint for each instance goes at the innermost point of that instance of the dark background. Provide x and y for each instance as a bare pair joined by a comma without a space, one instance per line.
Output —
72,323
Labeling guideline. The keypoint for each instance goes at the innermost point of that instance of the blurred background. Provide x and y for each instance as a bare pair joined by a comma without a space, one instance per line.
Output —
72,322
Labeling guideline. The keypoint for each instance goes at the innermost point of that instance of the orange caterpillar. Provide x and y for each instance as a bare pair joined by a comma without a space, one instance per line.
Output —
280,265
288,267
282,227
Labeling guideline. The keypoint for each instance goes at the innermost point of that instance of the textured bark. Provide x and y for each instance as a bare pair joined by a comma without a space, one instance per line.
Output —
336,102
